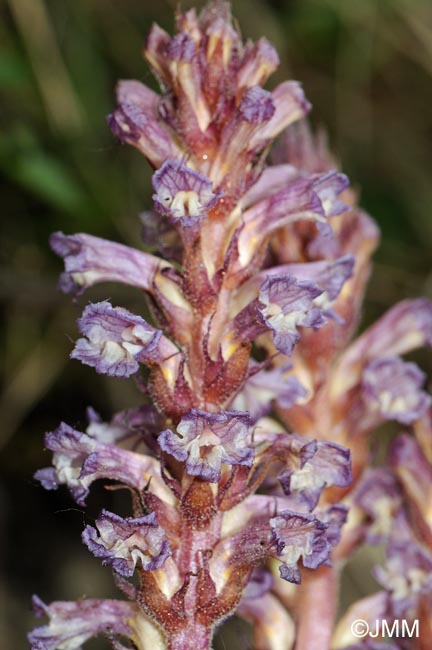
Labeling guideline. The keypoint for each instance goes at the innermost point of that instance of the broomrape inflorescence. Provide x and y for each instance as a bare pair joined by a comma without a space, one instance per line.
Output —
255,298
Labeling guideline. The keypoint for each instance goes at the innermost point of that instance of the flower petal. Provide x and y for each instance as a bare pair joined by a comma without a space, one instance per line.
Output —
79,460
206,440
182,193
116,340
90,260
73,623
124,543
394,387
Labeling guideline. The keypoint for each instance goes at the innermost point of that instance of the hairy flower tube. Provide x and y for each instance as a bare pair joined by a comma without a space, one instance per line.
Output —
248,462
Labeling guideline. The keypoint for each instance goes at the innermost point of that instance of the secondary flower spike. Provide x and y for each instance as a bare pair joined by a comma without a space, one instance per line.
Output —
245,460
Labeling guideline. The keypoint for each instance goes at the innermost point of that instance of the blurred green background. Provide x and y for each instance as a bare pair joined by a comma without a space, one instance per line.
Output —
367,68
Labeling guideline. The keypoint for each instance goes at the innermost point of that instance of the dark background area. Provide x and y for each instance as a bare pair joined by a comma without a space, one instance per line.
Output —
366,67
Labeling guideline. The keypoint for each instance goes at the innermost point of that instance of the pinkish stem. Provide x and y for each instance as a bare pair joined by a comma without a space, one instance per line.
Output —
316,609
192,637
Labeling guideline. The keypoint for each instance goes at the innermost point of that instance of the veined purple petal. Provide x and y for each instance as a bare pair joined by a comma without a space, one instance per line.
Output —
116,340
182,193
257,105
329,465
329,276
290,105
124,543
394,387
298,536
73,623
181,48
206,440
90,260
137,121
79,460
285,305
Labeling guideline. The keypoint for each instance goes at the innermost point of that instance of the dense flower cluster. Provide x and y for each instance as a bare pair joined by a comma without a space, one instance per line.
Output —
255,303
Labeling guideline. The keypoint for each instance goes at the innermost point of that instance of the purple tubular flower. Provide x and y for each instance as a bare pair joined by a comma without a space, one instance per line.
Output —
186,77
325,465
405,327
260,61
79,460
116,340
137,122
393,386
312,197
273,627
138,424
182,193
286,304
407,574
181,48
124,543
414,471
264,386
290,105
299,536
206,440
260,583
257,105
90,260
379,496
328,276
73,623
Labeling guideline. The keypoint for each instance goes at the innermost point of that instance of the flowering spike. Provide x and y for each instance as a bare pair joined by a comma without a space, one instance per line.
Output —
263,261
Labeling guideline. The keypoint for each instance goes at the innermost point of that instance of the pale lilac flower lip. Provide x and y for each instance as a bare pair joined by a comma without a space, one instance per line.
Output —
182,193
285,305
394,386
298,536
328,464
124,543
115,340
257,105
206,440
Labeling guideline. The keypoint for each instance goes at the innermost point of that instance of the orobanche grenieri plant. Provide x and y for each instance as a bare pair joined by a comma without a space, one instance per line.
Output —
246,459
